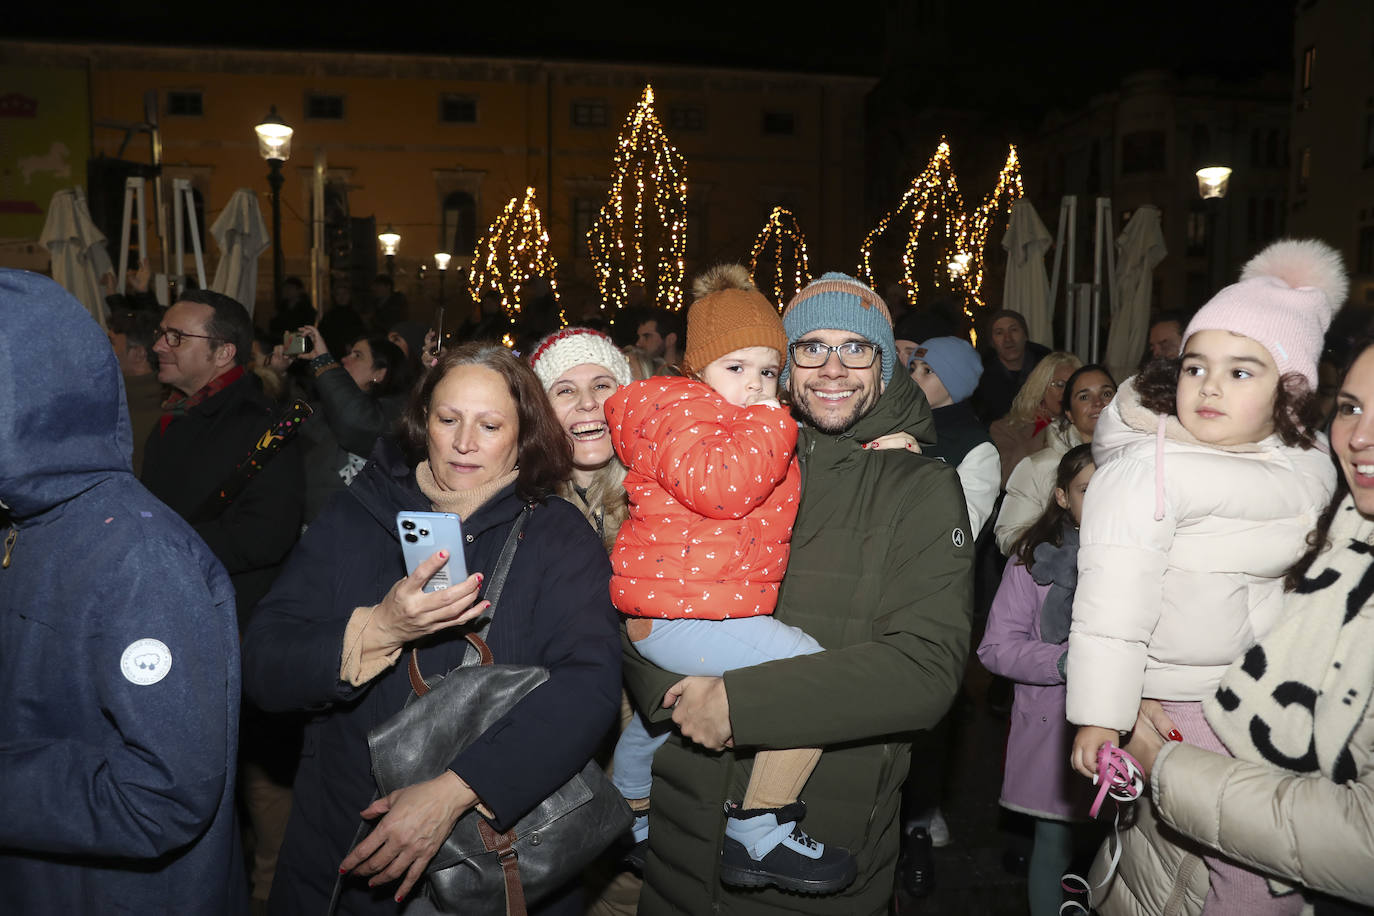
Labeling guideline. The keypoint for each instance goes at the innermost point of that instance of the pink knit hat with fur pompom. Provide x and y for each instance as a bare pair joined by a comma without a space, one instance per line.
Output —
1285,300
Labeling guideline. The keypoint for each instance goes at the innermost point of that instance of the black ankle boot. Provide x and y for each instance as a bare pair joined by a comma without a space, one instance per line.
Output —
792,865
917,870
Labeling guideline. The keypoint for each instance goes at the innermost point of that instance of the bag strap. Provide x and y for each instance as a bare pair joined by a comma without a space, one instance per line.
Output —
282,430
493,594
503,844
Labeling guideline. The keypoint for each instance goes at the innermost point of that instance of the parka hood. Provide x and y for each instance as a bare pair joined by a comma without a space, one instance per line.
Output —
64,424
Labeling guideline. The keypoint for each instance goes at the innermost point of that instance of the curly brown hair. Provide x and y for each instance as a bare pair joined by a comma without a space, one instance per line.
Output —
1297,413
544,454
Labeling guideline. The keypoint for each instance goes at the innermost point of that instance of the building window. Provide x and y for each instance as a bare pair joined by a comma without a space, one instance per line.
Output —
324,106
1304,168
779,123
185,104
1272,156
459,231
1197,229
1309,63
686,117
584,211
457,109
1142,151
1256,141
589,113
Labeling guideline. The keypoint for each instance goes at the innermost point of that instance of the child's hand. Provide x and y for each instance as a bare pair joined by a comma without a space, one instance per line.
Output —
1086,746
895,440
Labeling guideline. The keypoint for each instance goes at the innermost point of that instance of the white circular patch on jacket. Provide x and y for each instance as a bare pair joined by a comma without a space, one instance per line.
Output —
146,661
958,537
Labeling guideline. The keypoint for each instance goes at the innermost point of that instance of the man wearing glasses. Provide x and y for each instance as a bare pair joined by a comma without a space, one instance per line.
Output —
880,575
210,423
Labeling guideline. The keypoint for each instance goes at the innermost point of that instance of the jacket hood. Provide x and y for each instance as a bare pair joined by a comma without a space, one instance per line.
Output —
1125,420
64,424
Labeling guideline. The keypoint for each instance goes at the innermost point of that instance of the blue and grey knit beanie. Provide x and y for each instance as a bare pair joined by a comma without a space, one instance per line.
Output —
839,302
954,362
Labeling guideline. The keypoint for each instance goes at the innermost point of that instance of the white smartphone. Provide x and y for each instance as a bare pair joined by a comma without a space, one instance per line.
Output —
423,534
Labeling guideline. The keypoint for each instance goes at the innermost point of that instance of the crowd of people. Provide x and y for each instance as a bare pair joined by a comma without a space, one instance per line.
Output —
751,554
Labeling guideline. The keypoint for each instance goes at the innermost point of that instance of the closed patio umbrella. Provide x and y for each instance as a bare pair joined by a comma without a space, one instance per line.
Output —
1139,248
1027,288
242,238
77,248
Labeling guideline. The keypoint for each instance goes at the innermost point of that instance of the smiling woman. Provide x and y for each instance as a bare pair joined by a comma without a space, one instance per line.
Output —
579,369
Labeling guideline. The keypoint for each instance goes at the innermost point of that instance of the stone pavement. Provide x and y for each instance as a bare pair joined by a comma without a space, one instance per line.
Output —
969,877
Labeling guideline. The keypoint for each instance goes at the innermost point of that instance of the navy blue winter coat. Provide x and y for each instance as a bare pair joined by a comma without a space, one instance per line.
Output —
119,661
555,611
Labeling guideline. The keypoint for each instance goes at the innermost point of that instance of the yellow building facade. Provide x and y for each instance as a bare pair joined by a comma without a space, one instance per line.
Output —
435,146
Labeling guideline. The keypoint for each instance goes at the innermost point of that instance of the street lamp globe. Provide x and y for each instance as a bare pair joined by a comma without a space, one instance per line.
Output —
441,259
391,241
1212,181
274,137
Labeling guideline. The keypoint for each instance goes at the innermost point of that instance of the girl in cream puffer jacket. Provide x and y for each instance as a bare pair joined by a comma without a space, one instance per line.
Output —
1199,506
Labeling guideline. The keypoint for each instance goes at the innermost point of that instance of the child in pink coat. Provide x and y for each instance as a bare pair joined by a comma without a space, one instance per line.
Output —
1025,641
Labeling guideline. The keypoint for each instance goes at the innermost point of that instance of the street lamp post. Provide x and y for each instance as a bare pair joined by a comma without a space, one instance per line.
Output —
274,145
1212,184
441,260
391,242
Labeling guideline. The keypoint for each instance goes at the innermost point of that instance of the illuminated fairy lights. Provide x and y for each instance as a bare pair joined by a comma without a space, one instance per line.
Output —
952,243
781,245
992,213
514,250
933,210
641,232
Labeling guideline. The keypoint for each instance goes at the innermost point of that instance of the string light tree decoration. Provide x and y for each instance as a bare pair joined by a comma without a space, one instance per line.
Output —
514,250
781,245
932,211
641,232
993,213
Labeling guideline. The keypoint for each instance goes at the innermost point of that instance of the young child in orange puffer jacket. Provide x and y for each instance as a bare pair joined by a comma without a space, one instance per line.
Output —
713,485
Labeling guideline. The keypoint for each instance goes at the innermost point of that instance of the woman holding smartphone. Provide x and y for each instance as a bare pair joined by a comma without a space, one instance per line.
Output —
478,440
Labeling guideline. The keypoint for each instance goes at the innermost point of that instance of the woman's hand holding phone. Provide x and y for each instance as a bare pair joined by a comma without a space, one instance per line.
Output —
409,612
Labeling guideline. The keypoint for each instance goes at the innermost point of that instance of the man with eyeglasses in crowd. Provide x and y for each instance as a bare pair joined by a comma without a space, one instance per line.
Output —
210,423
880,575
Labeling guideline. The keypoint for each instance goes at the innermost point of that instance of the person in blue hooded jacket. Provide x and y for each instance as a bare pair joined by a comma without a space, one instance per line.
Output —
119,660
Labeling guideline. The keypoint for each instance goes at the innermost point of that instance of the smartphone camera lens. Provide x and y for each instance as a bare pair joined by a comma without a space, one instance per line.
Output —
424,532
408,525
411,539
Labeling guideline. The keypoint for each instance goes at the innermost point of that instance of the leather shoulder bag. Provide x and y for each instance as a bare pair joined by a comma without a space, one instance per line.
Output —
477,867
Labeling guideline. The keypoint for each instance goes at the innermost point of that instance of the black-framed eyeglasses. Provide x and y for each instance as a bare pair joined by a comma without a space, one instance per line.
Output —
853,354
174,336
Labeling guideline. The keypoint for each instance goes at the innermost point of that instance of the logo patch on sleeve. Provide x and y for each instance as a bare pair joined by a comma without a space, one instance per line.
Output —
958,537
145,661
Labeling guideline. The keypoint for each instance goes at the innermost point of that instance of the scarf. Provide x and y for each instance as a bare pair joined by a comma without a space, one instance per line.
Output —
177,404
1296,697
461,503
1057,567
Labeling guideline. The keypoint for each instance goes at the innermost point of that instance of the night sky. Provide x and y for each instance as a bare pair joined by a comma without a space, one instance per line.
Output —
1038,54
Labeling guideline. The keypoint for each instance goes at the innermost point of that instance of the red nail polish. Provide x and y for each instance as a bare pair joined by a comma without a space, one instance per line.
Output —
443,554
1175,736
342,870
479,578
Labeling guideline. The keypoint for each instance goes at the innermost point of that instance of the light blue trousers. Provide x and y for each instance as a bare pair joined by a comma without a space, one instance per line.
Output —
698,647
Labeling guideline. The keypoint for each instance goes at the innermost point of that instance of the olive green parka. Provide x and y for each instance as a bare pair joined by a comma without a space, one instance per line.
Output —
881,576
